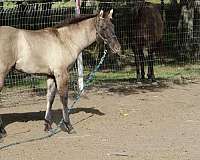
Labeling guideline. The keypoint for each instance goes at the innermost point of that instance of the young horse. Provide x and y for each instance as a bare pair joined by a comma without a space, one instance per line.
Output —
51,52
145,32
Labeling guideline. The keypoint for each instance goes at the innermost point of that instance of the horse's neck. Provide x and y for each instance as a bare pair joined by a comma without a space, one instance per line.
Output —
79,36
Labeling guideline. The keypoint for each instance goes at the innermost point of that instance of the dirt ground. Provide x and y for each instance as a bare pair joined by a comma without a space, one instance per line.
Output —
115,123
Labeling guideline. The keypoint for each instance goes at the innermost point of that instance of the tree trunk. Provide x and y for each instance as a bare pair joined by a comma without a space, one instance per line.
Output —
162,10
197,28
173,2
185,28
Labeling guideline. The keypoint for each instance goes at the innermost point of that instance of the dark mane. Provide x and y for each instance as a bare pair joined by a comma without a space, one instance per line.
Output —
74,20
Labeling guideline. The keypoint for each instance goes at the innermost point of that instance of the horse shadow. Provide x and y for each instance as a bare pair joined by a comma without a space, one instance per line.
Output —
10,118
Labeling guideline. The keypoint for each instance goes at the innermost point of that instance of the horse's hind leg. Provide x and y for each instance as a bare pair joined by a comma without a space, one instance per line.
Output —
4,69
62,86
137,63
141,53
2,130
51,92
150,74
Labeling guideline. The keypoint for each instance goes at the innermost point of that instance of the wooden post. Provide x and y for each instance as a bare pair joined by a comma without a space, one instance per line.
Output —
80,58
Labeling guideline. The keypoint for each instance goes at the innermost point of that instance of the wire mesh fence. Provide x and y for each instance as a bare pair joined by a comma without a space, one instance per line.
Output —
177,44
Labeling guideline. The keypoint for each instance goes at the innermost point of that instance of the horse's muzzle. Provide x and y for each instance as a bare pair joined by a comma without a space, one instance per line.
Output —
116,48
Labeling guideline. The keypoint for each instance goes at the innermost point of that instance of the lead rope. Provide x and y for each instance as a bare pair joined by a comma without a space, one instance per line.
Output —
56,130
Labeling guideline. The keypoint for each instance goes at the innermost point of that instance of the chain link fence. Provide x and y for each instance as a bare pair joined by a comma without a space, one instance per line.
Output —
179,45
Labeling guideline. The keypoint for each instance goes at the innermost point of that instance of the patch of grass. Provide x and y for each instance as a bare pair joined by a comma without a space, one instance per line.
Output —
61,4
121,75
64,4
161,72
26,82
42,83
9,5
158,1
173,72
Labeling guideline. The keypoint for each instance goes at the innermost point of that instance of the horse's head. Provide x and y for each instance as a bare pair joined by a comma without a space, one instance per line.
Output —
106,32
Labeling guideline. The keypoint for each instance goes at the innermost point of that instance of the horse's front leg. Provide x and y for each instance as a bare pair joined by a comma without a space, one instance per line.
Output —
51,92
62,86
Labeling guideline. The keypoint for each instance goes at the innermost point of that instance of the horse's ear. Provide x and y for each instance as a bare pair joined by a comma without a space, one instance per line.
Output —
110,14
101,14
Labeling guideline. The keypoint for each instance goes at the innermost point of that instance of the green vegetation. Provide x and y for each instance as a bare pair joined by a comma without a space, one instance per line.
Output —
64,4
8,5
158,1
173,72
162,72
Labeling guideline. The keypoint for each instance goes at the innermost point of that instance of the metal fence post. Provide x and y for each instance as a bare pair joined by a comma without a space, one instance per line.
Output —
80,58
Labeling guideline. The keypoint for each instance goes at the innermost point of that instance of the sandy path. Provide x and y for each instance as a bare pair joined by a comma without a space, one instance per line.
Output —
159,124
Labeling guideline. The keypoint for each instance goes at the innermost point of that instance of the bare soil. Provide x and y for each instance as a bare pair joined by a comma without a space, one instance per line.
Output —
114,123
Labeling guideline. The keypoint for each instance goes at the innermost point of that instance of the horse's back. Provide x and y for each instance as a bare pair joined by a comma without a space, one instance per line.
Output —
27,50
39,51
34,51
154,20
148,26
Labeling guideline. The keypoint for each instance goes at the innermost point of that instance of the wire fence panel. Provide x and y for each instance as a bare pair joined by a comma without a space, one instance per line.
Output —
178,43
21,87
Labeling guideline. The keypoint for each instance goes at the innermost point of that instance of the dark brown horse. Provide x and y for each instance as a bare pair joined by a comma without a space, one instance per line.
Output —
145,32
51,52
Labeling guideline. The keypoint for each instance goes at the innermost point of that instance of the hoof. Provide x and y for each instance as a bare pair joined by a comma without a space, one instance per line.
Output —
153,81
67,127
138,83
140,80
2,133
47,126
151,78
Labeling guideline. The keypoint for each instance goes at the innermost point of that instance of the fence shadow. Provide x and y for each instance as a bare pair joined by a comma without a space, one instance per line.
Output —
128,87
